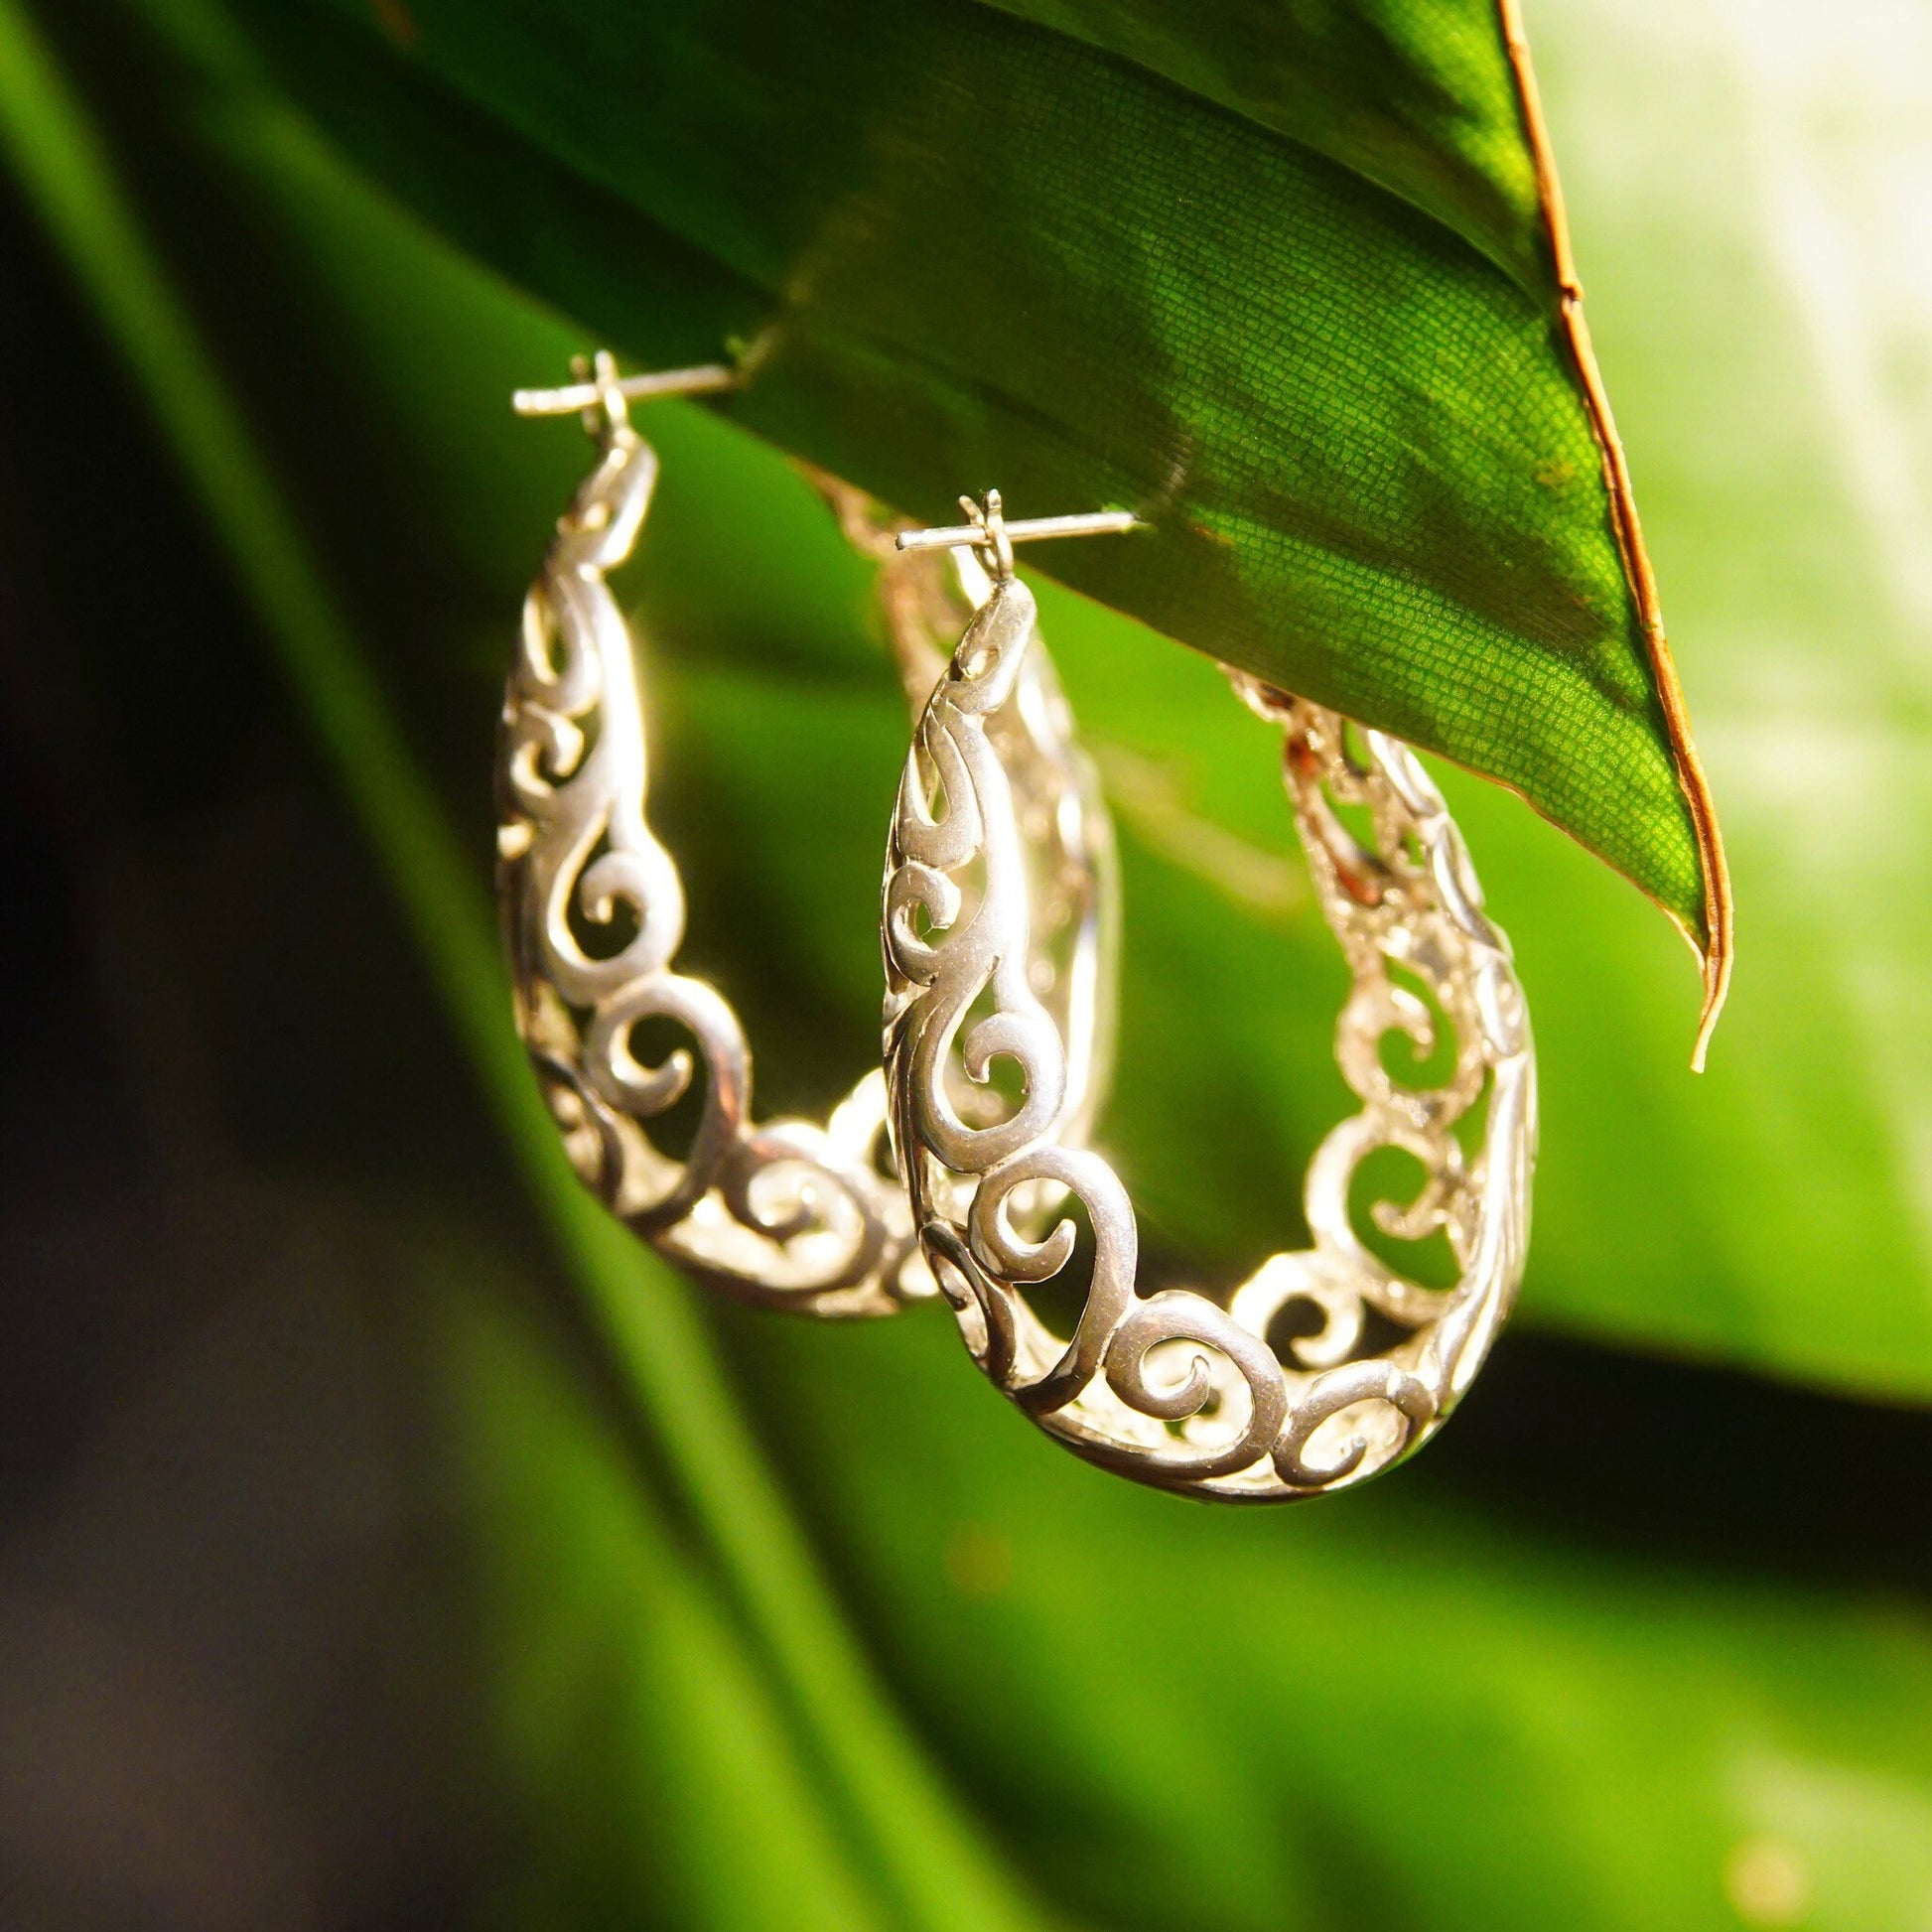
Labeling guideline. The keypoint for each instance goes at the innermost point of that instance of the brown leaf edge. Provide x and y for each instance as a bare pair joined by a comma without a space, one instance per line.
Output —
1714,959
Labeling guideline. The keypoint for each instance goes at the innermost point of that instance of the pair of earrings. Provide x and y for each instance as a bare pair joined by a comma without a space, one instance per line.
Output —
934,1177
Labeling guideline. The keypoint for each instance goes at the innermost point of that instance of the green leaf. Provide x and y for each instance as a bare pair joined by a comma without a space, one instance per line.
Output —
1276,278
1422,1709
1413,100
1753,190
1722,1217
1427,1710
627,1722
1422,1713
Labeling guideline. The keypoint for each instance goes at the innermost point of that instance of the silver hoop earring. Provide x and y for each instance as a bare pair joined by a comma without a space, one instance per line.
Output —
1171,1388
788,1213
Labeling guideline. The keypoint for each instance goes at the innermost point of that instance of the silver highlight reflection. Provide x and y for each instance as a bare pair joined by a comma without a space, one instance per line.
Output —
785,1213
1172,1388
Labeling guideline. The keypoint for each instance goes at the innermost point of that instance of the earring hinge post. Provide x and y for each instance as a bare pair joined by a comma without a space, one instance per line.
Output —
1030,529
705,380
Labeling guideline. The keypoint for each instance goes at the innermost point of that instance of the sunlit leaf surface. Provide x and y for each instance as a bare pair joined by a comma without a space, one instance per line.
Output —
1269,277
1753,1204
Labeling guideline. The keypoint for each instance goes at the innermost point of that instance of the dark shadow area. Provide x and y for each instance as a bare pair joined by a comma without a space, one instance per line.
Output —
1702,1463
228,1673
238,1687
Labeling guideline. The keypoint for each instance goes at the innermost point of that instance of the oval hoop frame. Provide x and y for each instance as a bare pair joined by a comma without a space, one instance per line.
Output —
786,1214
1171,1388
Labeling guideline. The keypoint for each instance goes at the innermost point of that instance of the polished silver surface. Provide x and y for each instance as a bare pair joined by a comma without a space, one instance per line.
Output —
787,1213
587,397
1028,529
1170,1387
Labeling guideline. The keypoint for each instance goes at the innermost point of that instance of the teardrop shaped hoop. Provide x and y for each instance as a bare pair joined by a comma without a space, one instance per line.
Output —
1172,1388
787,1213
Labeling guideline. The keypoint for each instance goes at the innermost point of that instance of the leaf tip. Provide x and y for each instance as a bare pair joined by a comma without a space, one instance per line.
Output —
1715,953
1716,961
1713,947
1717,947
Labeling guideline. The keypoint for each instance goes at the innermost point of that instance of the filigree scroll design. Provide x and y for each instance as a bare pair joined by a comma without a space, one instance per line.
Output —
1171,1387
787,1213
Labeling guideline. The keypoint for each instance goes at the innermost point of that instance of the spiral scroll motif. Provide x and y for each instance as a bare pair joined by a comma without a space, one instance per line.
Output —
788,1212
1172,1388
785,1213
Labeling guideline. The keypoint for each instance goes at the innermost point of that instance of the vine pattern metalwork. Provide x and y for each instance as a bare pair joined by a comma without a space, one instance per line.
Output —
785,1213
1174,1388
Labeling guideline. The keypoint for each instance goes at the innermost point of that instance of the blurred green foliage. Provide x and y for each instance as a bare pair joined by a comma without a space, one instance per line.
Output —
1027,1694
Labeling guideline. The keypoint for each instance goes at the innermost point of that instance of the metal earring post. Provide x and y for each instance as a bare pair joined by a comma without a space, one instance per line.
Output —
599,382
987,531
